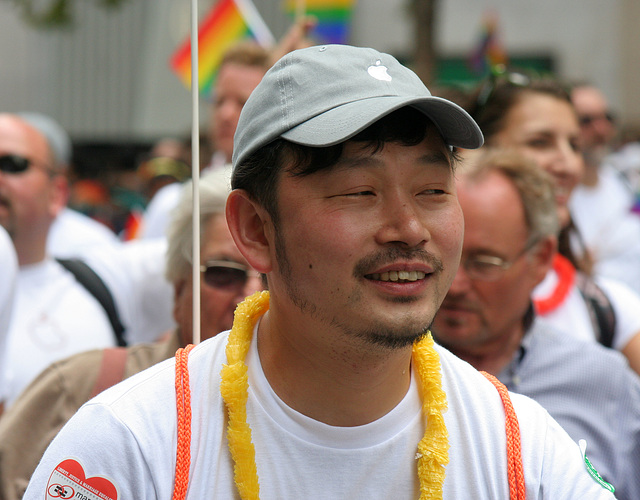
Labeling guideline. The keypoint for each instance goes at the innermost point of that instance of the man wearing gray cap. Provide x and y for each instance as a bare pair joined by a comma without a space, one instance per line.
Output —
329,385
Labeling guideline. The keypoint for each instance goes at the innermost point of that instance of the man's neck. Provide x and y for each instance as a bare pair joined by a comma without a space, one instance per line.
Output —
593,156
29,254
325,376
491,357
590,175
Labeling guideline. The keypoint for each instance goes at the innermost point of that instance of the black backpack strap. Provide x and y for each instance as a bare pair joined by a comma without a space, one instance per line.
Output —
600,309
88,278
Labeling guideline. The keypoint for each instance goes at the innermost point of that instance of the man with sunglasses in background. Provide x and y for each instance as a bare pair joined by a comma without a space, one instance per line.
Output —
54,316
487,318
44,407
71,231
601,206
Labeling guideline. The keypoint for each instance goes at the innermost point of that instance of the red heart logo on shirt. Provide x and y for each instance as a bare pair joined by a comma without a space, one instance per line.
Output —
68,480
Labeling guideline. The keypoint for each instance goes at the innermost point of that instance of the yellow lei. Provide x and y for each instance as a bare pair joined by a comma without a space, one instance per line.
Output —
433,448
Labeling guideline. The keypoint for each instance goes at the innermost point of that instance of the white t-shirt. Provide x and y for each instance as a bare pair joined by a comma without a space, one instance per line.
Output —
134,273
53,317
610,230
9,266
73,233
572,316
157,215
127,435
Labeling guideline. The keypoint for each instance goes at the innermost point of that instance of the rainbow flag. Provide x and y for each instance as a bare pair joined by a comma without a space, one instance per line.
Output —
228,22
334,17
489,52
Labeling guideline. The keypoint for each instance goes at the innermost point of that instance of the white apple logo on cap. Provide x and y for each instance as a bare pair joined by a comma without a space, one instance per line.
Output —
379,72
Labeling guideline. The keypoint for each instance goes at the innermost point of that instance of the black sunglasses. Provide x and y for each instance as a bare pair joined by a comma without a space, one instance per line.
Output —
589,119
16,164
13,164
225,274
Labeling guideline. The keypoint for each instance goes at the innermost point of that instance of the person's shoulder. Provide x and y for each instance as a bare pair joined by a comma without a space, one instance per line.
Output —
146,354
55,394
617,292
465,383
545,335
157,382
69,222
476,393
551,342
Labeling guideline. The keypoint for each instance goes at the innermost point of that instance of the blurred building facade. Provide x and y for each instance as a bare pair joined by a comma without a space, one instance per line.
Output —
106,78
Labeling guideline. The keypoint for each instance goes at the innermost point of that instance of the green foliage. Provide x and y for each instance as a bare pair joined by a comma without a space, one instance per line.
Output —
52,14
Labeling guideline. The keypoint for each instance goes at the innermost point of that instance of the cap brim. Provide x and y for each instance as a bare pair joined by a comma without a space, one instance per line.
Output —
343,122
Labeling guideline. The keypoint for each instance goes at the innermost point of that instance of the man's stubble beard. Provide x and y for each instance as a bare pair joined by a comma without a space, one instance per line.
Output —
380,337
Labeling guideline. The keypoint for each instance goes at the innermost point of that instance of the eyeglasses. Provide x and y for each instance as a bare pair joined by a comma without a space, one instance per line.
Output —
490,267
586,120
16,164
225,274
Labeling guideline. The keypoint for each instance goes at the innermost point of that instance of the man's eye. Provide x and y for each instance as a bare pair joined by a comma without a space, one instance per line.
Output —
539,143
360,193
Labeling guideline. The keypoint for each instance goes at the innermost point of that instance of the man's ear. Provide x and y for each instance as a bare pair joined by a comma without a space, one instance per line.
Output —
251,228
60,192
545,253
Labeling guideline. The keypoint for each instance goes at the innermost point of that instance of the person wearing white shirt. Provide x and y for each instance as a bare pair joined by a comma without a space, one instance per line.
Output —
53,315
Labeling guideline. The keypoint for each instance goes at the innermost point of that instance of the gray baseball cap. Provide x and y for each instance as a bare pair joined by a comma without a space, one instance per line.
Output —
324,95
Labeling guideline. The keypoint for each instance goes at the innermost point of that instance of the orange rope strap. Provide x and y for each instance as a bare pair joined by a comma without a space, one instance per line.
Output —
183,405
566,278
432,450
514,451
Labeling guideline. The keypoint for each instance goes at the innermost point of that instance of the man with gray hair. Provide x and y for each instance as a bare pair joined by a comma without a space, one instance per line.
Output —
488,319
71,231
54,316
55,395
110,294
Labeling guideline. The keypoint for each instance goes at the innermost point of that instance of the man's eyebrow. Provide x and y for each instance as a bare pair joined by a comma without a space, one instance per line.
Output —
356,160
436,157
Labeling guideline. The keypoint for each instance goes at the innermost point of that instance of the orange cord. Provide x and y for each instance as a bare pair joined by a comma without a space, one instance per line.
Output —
183,405
183,455
514,452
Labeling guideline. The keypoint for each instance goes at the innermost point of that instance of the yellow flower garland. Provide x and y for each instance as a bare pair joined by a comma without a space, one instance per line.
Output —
433,448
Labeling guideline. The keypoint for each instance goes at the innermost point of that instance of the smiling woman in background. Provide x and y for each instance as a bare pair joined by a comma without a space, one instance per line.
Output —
536,118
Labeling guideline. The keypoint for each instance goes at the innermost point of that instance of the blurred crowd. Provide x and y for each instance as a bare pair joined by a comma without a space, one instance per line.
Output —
131,233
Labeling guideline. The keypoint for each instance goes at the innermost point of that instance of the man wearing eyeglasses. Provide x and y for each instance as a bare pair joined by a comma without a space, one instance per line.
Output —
32,422
601,204
487,318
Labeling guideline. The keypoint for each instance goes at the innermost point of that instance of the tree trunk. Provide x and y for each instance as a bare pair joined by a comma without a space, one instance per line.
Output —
424,52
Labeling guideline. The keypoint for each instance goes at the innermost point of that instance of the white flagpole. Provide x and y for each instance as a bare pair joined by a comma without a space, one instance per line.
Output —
195,171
